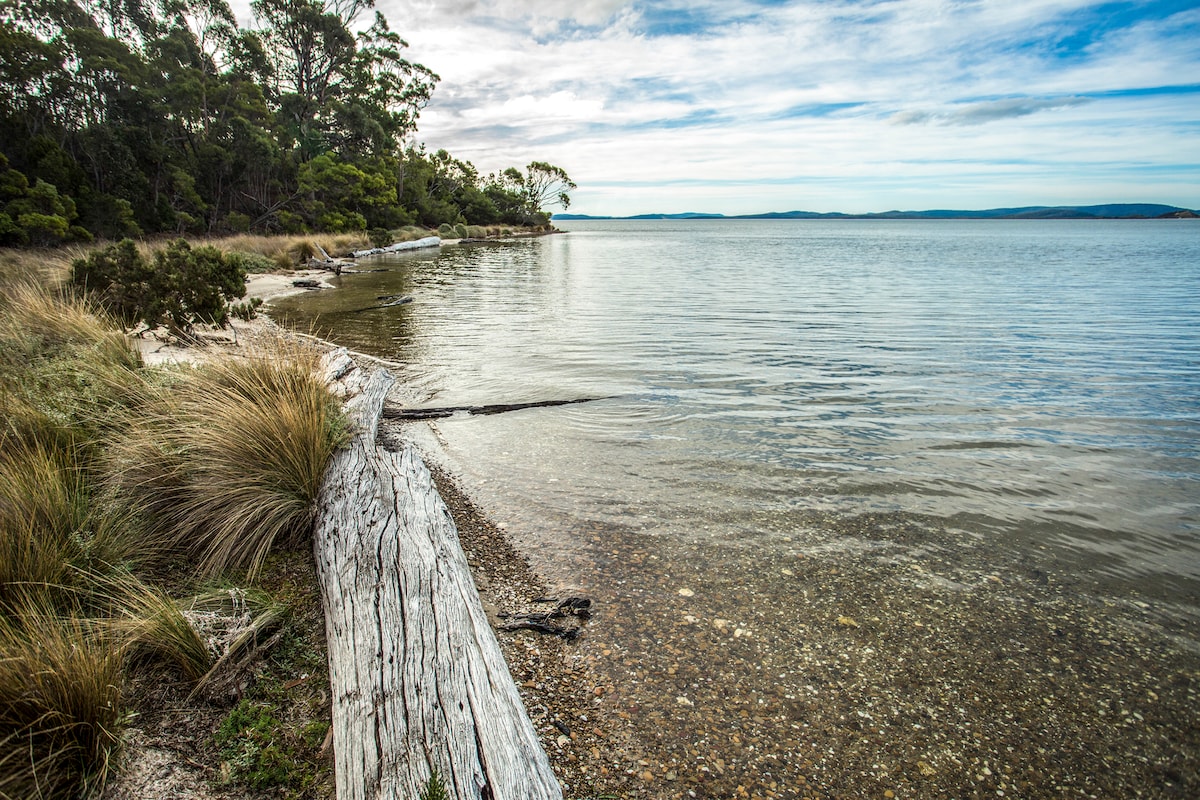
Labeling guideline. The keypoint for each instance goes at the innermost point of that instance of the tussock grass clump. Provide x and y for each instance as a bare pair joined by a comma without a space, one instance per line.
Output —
64,368
60,706
228,462
55,537
201,636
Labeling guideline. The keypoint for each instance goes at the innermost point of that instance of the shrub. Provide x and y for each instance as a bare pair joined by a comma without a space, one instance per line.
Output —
251,742
182,287
460,231
252,263
237,221
380,237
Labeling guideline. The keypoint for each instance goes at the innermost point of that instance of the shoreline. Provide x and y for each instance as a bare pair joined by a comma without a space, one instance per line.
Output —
927,671
560,693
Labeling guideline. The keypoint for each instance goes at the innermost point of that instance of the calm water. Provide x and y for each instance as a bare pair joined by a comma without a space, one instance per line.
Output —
868,506
1014,386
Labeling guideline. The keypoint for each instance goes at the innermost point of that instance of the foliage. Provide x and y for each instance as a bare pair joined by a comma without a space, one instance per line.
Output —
35,214
130,118
435,788
81,603
183,286
380,237
250,742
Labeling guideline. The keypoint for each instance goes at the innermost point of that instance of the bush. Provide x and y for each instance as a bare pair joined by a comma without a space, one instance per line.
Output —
252,263
380,237
253,744
182,287
237,221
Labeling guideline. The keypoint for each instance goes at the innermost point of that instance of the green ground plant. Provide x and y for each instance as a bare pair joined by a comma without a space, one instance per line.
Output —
180,287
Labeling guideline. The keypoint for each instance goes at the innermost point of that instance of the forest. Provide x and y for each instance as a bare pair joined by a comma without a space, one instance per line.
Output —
124,118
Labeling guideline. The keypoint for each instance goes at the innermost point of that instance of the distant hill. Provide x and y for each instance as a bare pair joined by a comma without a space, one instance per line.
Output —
1105,211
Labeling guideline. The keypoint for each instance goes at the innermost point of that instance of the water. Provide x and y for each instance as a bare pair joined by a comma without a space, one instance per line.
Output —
1022,383
856,496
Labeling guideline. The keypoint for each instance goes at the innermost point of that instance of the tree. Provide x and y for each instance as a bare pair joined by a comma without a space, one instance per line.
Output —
336,90
521,197
546,184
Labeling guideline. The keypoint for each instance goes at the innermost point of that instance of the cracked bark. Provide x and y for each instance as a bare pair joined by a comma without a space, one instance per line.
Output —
417,677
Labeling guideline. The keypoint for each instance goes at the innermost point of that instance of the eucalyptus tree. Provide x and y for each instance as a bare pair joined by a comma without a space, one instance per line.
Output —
522,197
337,90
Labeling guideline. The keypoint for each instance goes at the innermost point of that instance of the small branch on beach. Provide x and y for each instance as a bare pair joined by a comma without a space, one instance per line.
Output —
545,621
393,412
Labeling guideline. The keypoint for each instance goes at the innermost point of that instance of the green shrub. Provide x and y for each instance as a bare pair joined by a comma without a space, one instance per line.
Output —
182,287
252,743
252,263
237,221
380,237
460,231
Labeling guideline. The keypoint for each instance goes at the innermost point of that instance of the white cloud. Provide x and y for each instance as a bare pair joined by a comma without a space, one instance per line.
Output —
744,106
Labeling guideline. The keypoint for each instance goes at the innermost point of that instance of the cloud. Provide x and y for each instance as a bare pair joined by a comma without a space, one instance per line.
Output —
753,105
990,111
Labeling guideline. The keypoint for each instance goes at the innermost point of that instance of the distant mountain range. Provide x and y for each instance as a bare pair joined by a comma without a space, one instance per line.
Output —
1108,211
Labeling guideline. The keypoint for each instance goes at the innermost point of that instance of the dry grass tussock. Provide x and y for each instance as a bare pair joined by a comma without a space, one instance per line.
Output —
227,460
61,708
115,482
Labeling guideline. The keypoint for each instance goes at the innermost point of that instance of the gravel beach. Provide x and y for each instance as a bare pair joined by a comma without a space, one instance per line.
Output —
887,670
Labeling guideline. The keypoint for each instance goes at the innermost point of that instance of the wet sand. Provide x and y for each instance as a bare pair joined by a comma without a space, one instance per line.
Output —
903,667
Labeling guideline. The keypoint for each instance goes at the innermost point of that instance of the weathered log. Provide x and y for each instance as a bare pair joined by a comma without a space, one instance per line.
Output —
417,677
393,412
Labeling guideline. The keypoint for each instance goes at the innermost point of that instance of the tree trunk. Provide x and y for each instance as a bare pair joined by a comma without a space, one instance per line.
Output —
417,676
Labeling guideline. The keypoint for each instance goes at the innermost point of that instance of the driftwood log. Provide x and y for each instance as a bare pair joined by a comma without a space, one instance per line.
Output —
394,412
417,676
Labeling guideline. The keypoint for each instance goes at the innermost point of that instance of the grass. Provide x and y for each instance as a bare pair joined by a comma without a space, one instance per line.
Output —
61,709
228,461
289,252
122,490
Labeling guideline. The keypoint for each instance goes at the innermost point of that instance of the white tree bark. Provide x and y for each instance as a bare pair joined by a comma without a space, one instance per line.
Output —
417,677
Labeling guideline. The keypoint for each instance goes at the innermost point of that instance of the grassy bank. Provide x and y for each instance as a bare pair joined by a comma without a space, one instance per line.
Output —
139,511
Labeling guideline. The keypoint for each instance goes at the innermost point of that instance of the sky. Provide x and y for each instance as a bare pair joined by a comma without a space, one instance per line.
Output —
749,106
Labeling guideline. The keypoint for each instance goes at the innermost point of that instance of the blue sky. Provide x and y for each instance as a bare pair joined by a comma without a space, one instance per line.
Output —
741,106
